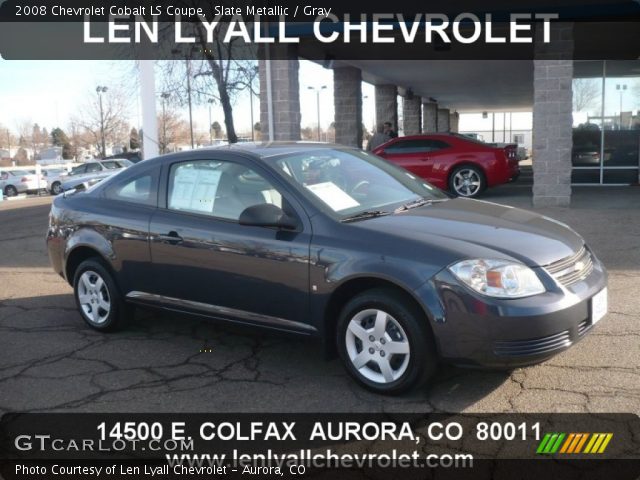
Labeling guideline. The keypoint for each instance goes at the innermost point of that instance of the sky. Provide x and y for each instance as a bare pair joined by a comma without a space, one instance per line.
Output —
50,93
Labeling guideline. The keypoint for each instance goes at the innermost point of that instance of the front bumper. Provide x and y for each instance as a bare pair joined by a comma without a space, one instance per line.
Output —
475,330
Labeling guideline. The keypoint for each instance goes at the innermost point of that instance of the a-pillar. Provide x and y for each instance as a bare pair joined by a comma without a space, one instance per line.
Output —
552,118
443,120
430,117
412,115
279,68
347,95
387,105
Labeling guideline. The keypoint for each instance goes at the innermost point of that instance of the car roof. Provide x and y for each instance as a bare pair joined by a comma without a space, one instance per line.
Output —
272,149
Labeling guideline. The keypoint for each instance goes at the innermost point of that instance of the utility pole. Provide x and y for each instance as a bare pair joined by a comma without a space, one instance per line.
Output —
100,90
164,97
210,102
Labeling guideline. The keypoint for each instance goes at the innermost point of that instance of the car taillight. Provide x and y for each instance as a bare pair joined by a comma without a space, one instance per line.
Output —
24,179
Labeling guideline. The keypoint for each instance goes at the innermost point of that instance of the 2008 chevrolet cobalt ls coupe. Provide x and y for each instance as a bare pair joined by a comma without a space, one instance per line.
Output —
331,242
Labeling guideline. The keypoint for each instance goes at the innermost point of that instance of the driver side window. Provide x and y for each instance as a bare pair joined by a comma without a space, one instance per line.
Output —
218,188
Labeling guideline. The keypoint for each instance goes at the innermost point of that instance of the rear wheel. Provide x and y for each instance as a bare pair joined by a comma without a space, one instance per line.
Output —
385,343
10,191
467,181
98,297
56,188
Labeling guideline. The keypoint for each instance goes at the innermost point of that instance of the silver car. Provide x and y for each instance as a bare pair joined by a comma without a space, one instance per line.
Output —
14,181
90,173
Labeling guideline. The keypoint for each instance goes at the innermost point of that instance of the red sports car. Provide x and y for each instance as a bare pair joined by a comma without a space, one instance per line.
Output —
453,162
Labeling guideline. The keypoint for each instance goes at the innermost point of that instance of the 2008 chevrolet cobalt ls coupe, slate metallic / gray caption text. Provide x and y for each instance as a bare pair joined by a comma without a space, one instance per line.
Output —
331,242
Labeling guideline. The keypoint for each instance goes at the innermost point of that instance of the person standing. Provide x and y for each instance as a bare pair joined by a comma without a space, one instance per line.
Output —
388,129
378,138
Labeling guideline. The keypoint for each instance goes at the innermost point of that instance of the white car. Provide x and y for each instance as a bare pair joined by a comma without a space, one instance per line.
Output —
14,181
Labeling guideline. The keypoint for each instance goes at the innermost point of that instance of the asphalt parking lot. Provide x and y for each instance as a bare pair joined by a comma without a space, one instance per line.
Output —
49,360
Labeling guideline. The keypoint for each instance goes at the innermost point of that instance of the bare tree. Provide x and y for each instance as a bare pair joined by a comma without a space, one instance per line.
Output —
586,92
110,120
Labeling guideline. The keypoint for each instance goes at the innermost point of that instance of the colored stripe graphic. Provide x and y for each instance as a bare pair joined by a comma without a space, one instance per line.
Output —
573,443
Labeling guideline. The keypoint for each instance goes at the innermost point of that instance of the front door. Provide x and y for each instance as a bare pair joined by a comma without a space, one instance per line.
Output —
205,261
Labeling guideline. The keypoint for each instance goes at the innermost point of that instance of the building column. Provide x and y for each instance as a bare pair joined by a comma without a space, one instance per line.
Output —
387,105
454,122
552,117
443,120
347,97
412,115
430,117
285,93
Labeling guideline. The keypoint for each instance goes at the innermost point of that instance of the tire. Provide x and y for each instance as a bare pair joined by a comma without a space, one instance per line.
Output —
405,330
467,181
98,298
56,188
10,191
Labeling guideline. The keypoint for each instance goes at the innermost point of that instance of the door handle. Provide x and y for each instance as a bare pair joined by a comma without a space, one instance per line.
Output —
172,237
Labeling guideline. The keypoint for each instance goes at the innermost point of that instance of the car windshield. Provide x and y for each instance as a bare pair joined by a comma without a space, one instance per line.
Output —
345,183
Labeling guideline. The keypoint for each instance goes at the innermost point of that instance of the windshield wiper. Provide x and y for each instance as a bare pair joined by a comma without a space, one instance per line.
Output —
364,215
419,202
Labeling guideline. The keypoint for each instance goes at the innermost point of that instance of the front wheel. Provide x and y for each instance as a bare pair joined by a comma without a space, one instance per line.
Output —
467,181
385,342
98,298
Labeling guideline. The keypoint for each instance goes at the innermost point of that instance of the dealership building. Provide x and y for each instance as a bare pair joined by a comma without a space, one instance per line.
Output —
586,119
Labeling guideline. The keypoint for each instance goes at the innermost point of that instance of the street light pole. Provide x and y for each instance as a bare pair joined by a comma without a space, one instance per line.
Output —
318,90
188,60
210,101
164,97
621,88
100,90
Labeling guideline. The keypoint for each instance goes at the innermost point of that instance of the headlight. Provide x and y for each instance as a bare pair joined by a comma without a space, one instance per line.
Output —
498,278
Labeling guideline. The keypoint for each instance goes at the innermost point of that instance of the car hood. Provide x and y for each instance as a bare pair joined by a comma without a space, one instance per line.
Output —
460,224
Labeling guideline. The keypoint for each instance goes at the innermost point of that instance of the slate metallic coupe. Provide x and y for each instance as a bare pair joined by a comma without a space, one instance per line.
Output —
331,242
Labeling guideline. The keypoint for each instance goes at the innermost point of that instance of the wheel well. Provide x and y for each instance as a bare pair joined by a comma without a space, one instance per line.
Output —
77,256
345,292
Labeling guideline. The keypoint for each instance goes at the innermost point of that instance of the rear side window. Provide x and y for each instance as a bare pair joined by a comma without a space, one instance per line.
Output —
140,189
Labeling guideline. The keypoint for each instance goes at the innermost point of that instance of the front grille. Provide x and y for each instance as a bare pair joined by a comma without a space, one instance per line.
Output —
537,346
571,269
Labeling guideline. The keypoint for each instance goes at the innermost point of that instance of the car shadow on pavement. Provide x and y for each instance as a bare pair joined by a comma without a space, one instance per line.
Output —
170,362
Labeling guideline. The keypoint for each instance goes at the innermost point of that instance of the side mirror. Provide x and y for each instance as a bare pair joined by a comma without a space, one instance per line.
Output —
267,215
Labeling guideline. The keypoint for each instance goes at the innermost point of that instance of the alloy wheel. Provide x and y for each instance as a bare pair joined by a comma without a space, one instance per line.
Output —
466,182
377,346
94,297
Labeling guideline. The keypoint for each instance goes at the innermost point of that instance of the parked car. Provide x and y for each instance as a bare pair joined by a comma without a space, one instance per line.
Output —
334,243
133,157
15,181
90,173
453,162
54,178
